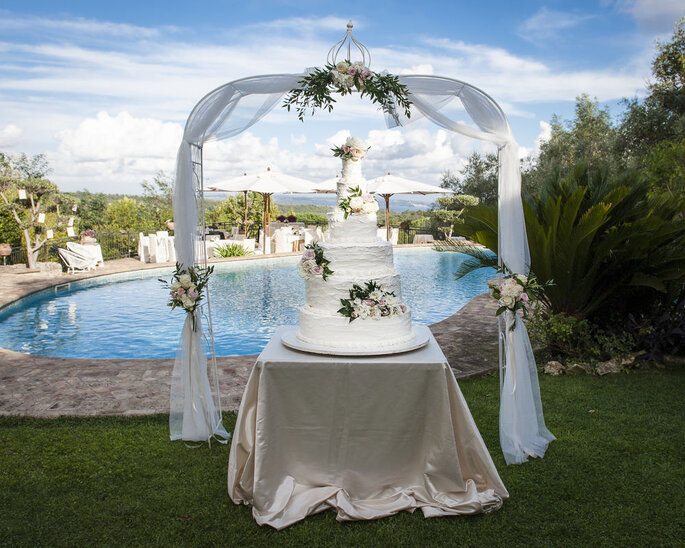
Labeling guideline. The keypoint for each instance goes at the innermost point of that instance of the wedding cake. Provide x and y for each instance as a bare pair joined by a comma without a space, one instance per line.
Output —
353,297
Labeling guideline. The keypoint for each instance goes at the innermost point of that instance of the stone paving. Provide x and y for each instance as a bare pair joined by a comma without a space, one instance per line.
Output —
48,387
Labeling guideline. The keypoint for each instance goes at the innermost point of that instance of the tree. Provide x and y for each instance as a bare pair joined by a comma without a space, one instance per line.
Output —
477,178
661,115
91,211
451,208
158,196
34,212
588,138
232,211
129,214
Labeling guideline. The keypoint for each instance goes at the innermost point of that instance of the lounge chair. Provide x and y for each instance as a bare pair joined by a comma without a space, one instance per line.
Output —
92,251
76,262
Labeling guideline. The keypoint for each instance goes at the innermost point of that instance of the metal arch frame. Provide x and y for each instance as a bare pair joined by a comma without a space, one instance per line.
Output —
198,172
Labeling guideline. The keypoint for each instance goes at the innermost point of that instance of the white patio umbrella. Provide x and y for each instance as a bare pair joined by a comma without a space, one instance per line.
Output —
387,185
329,186
265,183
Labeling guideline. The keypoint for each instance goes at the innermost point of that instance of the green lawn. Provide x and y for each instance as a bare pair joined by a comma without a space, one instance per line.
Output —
614,477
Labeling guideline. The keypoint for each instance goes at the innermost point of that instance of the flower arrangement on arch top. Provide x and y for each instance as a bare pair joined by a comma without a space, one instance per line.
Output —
317,87
186,287
370,301
358,202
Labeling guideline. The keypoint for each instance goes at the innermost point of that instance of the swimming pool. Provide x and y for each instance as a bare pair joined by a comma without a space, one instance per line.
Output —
125,315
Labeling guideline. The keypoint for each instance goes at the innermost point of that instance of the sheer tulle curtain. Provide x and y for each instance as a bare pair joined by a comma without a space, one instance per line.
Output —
523,432
231,109
195,407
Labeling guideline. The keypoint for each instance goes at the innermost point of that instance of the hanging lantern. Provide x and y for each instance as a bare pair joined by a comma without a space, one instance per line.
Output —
74,208
70,222
22,194
50,234
70,232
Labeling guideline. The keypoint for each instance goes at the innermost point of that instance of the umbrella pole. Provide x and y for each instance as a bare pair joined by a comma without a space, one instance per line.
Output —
387,216
245,223
264,225
268,218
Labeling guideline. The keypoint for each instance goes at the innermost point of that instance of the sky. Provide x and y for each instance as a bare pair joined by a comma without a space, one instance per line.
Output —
104,88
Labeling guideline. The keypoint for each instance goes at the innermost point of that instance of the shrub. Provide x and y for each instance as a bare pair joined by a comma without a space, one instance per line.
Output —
312,219
230,250
291,218
563,337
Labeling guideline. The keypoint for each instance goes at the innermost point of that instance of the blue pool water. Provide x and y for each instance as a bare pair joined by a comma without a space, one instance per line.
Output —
125,315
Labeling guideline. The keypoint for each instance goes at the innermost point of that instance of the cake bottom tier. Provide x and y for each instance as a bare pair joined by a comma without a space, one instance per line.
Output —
338,332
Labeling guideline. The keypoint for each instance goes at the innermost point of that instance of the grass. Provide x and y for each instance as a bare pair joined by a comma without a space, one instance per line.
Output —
614,477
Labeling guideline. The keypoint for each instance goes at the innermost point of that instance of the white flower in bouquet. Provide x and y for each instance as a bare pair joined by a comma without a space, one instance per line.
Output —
185,281
508,301
374,313
306,269
187,302
357,154
511,289
376,295
347,81
175,286
356,202
343,67
364,311
358,66
390,300
356,142
522,278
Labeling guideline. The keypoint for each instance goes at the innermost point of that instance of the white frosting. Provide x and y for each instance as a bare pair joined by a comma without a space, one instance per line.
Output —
339,332
371,259
357,228
323,297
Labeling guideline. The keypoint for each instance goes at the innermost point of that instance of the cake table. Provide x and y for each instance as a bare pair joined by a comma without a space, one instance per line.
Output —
366,436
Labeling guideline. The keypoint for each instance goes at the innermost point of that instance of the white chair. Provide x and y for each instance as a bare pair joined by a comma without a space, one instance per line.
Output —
310,235
248,244
143,248
152,240
234,232
394,235
92,251
162,234
282,240
76,262
171,249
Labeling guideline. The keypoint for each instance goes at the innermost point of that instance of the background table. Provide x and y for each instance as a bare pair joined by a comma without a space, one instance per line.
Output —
367,436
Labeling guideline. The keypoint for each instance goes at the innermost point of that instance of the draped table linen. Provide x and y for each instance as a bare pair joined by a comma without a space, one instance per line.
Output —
366,436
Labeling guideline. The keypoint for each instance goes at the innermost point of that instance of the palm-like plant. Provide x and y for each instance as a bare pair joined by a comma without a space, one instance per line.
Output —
595,236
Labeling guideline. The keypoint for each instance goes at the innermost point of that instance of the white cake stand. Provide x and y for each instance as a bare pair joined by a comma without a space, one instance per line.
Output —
421,337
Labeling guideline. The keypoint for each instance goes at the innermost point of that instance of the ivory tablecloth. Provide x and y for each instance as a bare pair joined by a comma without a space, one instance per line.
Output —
366,436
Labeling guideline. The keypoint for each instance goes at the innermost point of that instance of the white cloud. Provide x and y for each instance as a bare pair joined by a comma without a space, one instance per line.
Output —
656,16
117,152
546,24
9,136
55,88
544,136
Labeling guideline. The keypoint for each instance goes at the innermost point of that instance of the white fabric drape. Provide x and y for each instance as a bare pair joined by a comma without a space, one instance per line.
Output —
234,107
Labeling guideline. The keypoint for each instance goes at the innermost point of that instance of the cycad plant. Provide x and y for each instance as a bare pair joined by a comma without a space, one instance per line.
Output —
595,236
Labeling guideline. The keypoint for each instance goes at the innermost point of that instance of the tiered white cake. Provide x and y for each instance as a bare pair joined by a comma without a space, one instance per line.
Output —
359,261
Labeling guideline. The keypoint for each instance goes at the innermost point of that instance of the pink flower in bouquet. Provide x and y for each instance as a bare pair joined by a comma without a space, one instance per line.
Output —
381,302
345,148
367,197
366,74
403,308
524,297
352,71
317,270
308,254
180,291
193,294
370,302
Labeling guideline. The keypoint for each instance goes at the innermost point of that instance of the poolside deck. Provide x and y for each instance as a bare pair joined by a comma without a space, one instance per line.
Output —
48,387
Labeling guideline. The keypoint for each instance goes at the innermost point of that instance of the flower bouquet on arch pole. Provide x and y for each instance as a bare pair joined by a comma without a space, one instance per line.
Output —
516,292
186,288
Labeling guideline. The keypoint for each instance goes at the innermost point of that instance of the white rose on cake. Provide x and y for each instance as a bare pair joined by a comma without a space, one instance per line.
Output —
370,207
356,203
356,142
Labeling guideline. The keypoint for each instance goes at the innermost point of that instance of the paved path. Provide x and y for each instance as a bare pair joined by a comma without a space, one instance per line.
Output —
48,387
